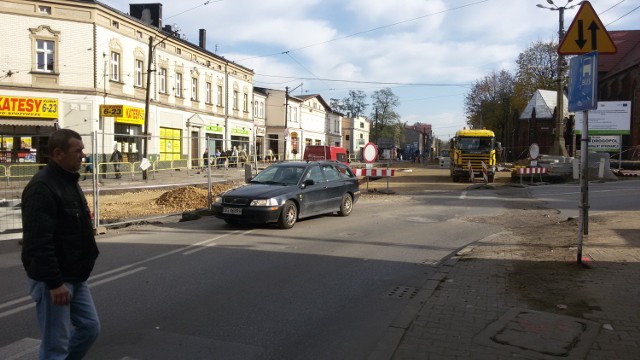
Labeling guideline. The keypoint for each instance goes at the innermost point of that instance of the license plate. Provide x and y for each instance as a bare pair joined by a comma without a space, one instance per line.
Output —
232,211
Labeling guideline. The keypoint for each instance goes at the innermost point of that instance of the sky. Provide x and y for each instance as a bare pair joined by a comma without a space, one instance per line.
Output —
428,52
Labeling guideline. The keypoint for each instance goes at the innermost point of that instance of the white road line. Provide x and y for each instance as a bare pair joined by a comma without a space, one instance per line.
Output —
29,306
463,195
190,249
208,243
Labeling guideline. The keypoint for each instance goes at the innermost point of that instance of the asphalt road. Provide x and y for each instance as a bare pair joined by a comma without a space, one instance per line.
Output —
327,289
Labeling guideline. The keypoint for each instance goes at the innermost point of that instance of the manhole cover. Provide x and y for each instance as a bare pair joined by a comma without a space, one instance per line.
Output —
538,333
402,292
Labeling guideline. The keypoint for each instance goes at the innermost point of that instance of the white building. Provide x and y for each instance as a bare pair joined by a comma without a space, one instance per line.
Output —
67,58
355,133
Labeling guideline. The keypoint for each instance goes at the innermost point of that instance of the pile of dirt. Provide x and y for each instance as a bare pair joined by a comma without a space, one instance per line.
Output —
184,198
145,203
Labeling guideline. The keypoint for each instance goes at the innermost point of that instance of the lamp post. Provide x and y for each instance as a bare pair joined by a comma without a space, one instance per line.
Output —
558,142
147,100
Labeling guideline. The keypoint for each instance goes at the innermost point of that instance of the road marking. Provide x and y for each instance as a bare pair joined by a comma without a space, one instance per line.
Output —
190,249
28,298
208,243
463,195
26,348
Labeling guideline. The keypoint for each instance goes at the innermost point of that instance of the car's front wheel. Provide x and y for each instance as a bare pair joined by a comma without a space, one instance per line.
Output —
289,215
346,206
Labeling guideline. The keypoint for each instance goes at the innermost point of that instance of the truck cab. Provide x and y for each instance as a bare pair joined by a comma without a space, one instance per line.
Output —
321,152
469,150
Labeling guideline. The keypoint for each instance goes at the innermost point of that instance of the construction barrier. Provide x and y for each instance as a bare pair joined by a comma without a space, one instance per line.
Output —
531,171
374,172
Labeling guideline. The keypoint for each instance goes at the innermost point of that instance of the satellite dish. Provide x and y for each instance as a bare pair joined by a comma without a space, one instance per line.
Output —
534,151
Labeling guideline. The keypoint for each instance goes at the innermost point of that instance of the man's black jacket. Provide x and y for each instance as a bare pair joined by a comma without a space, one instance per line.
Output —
58,242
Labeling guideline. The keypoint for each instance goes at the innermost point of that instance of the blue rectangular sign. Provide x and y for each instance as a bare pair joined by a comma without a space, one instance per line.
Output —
583,82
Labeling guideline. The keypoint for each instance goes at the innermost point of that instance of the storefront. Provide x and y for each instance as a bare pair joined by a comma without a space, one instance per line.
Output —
240,138
170,144
214,138
260,134
25,126
128,122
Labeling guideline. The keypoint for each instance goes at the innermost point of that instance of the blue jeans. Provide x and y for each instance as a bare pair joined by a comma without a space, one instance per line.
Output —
67,331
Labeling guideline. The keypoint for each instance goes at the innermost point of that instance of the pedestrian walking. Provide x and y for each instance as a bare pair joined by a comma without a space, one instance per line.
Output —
116,158
88,167
205,157
59,251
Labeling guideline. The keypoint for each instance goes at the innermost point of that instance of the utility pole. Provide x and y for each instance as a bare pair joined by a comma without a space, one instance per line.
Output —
559,147
147,100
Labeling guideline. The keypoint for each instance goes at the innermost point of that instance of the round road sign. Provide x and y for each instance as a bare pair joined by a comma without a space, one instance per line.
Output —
370,152
534,151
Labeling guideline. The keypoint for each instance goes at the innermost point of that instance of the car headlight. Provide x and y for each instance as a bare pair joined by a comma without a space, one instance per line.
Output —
264,202
217,200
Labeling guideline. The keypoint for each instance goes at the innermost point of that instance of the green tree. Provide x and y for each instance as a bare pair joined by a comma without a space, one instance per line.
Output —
537,69
353,105
385,119
489,104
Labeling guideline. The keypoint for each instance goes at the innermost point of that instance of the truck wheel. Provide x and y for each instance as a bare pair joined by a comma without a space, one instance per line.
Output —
289,215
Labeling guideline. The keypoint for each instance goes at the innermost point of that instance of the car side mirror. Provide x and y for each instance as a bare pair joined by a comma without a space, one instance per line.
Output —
308,182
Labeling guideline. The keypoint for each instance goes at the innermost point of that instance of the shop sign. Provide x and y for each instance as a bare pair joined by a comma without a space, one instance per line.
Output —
28,107
260,131
215,129
240,132
131,115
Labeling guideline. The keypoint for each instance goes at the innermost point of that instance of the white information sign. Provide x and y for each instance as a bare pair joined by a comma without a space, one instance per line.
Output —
611,118
607,143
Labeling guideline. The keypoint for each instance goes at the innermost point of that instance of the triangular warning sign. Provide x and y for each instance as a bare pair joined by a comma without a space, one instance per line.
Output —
586,34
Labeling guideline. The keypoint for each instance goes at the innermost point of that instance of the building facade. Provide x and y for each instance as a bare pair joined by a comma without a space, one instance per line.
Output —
86,66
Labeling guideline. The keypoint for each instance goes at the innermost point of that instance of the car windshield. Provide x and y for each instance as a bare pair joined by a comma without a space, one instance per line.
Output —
284,175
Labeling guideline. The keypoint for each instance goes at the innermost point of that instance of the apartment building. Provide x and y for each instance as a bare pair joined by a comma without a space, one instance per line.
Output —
98,70
355,134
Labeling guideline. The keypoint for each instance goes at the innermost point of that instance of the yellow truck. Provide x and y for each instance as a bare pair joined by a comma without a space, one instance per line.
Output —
473,147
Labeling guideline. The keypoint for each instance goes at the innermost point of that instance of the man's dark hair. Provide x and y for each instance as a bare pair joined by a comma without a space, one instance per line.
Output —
59,139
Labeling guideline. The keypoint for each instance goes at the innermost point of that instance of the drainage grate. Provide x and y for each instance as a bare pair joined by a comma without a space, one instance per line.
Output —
402,292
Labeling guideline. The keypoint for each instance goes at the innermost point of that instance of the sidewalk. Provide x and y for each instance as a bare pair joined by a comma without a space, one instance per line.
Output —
522,294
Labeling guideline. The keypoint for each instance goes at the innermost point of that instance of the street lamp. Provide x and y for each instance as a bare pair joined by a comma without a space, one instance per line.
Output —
145,131
558,142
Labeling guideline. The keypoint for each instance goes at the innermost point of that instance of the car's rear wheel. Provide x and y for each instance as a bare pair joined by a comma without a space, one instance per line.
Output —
289,215
346,206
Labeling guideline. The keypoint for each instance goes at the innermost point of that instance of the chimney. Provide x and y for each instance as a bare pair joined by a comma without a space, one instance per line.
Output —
203,38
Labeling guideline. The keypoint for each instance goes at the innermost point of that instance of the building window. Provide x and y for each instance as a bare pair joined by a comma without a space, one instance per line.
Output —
346,137
361,125
115,66
220,95
45,55
178,88
163,80
139,73
44,10
178,51
207,94
255,109
235,100
245,103
261,110
194,89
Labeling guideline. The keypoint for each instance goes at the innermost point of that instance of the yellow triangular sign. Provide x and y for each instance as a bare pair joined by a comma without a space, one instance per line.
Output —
586,34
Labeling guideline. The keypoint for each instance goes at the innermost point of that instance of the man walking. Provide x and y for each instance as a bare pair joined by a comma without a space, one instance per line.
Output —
116,158
59,251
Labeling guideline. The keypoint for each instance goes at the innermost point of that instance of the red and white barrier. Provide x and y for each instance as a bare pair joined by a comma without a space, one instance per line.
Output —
374,172
536,170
